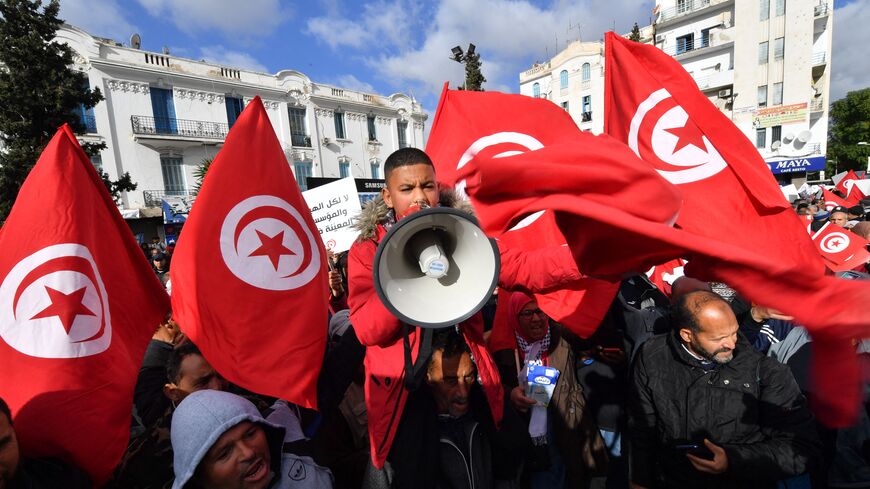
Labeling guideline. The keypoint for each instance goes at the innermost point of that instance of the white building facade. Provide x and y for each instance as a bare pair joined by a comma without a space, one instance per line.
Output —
573,80
764,63
163,115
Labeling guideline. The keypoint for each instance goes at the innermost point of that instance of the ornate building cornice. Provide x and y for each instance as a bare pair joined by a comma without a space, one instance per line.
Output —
128,86
184,93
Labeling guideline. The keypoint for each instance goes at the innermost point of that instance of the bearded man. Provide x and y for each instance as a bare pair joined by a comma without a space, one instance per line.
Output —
708,411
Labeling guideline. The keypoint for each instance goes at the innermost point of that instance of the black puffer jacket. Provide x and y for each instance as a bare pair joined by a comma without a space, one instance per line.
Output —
751,407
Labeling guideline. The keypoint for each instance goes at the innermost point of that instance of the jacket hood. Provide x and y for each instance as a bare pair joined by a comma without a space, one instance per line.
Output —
201,418
375,212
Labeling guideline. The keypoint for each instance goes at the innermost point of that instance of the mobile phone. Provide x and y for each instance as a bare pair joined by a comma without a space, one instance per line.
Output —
611,350
696,449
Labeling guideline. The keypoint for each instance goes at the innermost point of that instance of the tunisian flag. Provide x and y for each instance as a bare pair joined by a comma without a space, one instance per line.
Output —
249,272
842,249
78,303
831,200
467,126
843,185
655,107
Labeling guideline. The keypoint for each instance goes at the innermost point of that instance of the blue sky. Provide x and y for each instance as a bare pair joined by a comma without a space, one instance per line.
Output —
388,46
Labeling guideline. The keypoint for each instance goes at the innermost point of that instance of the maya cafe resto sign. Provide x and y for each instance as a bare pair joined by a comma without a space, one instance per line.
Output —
814,163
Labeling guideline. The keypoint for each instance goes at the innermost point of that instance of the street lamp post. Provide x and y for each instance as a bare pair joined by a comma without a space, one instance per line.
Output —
462,57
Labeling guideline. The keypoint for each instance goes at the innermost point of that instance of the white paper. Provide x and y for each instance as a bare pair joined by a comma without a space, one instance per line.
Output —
334,207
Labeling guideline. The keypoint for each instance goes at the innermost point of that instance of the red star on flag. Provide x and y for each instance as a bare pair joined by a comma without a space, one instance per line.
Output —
688,134
65,306
273,247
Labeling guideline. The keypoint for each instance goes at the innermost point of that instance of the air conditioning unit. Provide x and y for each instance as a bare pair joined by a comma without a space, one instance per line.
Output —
725,93
660,39
324,141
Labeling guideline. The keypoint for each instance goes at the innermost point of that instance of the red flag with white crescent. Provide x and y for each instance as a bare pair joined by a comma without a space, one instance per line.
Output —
845,182
655,107
249,271
831,200
78,303
841,248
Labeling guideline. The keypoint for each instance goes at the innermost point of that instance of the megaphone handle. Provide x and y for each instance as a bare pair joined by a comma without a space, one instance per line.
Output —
413,370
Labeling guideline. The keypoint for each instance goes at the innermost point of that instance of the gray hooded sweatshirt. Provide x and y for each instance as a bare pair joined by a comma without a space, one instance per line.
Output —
203,416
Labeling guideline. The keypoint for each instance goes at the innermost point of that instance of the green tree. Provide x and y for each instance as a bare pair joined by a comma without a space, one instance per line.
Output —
199,173
635,33
849,126
39,92
474,78
116,187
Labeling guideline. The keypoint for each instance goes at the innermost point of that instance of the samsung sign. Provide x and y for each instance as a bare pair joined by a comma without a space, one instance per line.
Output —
815,163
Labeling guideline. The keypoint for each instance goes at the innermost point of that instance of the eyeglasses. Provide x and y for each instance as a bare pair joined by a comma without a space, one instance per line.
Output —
527,314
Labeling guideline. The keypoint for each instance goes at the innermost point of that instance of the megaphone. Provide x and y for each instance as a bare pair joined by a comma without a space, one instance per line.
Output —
435,268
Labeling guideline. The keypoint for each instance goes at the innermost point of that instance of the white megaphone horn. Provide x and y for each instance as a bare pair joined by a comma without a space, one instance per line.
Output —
435,268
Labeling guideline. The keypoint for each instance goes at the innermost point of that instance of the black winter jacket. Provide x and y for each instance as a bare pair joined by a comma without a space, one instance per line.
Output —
751,407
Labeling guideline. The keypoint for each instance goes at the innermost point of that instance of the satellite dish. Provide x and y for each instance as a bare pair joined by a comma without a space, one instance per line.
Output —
136,41
776,145
804,136
788,137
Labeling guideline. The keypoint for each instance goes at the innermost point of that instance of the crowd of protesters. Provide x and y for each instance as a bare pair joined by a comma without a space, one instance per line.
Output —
695,389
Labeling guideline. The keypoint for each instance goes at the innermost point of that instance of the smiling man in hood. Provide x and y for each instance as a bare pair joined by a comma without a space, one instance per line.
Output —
220,441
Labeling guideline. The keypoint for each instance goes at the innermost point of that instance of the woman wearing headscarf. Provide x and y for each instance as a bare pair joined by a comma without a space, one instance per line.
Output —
569,450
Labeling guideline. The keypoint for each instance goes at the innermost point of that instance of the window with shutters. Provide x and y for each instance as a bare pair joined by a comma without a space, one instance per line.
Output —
172,168
302,169
402,129
235,105
298,134
760,138
777,94
563,79
373,133
763,53
163,108
338,117
779,48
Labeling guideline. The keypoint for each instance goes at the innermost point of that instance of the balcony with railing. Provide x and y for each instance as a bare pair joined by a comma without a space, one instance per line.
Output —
685,8
154,198
714,80
819,59
300,140
144,125
821,10
817,104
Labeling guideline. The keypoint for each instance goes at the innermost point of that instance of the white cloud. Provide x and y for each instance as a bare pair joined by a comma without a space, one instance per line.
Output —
849,58
508,34
353,83
381,24
103,18
232,59
251,18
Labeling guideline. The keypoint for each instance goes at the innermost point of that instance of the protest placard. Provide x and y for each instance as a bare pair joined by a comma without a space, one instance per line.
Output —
334,207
